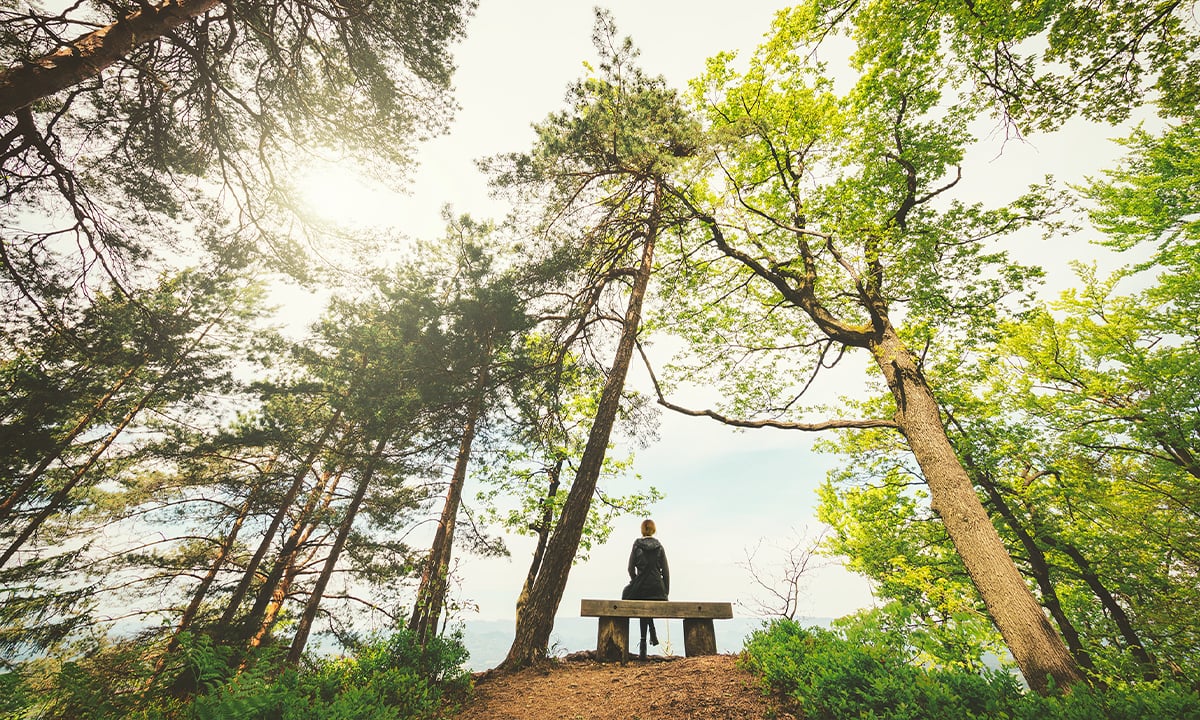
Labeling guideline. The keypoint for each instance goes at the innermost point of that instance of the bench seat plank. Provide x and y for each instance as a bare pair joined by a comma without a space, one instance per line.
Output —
656,609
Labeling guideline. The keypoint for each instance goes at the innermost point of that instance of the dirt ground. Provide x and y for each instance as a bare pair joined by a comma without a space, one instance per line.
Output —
578,688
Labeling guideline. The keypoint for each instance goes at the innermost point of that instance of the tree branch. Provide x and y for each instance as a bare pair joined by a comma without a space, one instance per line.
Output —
835,424
88,55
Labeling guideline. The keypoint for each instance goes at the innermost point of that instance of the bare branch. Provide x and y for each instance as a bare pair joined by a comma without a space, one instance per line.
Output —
836,424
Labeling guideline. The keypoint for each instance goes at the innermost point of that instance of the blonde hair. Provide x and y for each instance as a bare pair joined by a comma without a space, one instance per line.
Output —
648,528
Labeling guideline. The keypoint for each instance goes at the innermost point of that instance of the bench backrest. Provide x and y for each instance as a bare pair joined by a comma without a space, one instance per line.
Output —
655,609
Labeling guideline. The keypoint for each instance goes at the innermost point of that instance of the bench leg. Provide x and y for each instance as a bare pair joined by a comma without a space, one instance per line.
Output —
612,639
699,637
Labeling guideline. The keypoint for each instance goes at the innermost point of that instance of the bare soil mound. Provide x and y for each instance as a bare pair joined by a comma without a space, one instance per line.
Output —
578,688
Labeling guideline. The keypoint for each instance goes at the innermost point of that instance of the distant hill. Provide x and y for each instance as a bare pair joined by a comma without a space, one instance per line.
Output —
488,640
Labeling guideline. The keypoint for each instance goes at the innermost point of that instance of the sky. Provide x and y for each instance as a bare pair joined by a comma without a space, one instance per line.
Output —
726,491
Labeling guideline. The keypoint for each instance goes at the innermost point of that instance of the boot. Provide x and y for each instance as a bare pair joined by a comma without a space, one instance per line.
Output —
642,649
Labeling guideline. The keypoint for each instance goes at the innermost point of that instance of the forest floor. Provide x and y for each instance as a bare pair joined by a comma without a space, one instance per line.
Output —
577,687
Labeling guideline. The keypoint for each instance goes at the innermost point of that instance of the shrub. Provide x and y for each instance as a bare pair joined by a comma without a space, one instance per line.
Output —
1129,701
828,677
387,678
14,694
391,678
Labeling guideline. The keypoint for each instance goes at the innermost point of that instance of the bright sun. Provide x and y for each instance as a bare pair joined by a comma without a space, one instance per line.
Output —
341,194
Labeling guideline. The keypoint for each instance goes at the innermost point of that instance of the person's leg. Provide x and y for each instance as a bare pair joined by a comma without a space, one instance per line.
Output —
642,645
653,634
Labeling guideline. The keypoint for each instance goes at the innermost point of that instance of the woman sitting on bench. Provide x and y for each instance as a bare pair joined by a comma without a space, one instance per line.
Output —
649,578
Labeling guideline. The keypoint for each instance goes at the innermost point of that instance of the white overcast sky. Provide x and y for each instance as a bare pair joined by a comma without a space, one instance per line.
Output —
726,491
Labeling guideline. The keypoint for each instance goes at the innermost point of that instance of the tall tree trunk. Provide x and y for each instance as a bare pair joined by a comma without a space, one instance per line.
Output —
301,529
536,622
280,593
243,587
431,594
309,616
88,55
1038,650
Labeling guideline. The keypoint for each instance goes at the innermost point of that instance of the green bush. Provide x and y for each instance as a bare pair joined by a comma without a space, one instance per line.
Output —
1132,701
391,678
14,694
108,682
828,677
388,679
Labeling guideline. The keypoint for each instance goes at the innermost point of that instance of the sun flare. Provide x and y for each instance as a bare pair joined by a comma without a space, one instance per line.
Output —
341,193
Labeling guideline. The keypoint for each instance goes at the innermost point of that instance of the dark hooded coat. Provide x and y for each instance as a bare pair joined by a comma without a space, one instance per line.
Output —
649,578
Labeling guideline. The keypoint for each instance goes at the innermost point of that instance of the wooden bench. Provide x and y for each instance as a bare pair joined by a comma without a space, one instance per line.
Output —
612,637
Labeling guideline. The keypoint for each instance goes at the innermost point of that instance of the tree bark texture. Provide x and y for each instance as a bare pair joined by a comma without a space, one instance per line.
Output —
88,55
536,621
1038,650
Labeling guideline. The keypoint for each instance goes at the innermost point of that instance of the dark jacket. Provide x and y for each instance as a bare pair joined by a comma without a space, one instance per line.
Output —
649,578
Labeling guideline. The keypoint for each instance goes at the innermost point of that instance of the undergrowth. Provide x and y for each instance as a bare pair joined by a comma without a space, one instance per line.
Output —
390,678
824,676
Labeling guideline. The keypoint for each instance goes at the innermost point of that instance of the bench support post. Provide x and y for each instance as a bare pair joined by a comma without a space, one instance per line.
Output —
699,637
612,639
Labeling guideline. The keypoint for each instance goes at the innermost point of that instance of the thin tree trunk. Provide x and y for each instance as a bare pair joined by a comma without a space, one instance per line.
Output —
431,594
309,616
201,591
279,596
276,604
243,587
536,622
83,423
271,595
88,55
1110,604
543,532
1038,650
61,495
301,530
1039,567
